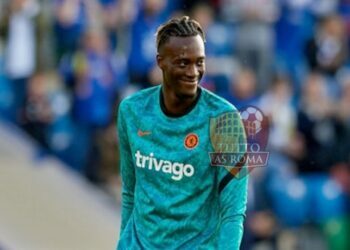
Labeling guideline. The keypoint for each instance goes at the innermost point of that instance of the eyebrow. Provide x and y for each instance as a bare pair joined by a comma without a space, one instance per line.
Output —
179,58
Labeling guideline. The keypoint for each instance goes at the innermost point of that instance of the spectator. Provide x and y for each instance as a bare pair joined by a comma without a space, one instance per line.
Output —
293,28
117,16
38,114
327,51
317,124
141,57
219,35
218,47
343,114
277,104
242,89
255,34
20,58
97,82
70,22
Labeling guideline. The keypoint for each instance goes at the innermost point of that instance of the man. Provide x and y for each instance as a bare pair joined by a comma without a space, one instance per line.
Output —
172,198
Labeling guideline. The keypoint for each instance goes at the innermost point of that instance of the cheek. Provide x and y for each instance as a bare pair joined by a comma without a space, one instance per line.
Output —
176,73
170,78
203,68
201,72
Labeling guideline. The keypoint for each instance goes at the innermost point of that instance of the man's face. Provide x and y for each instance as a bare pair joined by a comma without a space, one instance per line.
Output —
182,60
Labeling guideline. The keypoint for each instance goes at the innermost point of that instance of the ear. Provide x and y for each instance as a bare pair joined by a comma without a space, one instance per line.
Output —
160,61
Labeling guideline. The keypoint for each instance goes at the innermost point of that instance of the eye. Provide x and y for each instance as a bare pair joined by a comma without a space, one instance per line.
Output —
200,62
182,63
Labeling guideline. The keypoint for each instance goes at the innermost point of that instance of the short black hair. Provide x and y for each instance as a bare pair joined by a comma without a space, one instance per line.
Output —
179,27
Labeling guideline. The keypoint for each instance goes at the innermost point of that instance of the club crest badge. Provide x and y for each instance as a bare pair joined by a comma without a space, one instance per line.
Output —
191,141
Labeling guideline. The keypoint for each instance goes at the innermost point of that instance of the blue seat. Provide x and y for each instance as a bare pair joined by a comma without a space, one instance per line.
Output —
327,200
310,198
290,202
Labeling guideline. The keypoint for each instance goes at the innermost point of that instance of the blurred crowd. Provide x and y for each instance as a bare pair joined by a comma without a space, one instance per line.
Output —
66,64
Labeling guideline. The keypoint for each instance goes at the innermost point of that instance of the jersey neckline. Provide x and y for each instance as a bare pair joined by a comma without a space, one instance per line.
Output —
163,111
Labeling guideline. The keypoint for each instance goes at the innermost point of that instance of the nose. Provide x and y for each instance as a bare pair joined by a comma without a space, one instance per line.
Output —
192,71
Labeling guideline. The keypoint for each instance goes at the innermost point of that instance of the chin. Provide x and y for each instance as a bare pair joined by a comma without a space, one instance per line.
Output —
188,92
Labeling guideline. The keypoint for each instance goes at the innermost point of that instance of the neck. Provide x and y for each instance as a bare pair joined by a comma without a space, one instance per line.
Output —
175,106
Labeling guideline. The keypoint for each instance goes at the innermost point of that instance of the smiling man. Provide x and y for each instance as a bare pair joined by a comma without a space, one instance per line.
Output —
172,198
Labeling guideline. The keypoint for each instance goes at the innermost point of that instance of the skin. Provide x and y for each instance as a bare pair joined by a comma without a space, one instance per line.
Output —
182,61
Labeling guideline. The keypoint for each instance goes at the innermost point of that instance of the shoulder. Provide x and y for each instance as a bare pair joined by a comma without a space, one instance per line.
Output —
139,99
216,103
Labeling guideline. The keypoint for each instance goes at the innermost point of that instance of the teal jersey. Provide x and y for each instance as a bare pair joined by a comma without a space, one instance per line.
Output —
170,192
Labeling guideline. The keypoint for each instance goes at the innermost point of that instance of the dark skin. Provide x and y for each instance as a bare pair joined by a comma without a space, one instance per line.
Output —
182,61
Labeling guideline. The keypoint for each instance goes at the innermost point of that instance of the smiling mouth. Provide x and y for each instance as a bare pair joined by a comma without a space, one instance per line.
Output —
194,82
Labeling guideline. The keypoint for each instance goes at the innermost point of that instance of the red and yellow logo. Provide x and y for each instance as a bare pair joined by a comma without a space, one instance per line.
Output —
191,141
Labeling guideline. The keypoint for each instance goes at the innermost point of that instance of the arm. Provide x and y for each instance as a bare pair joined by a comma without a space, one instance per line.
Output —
233,186
233,199
127,171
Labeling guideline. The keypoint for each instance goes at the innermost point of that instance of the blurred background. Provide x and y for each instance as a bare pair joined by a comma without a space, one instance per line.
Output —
66,64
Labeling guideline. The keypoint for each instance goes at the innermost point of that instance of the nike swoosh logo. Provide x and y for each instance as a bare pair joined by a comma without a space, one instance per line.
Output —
143,133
